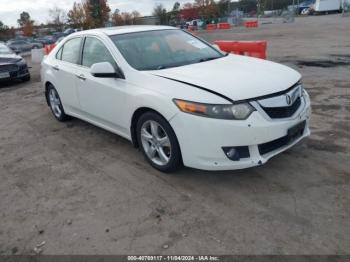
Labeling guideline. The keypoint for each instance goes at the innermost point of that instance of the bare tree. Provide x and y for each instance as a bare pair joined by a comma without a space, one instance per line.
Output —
160,12
58,17
77,16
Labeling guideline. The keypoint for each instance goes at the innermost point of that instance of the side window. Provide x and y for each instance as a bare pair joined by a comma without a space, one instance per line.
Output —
71,50
59,54
95,52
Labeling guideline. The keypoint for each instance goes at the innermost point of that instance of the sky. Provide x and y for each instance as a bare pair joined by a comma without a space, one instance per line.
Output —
39,9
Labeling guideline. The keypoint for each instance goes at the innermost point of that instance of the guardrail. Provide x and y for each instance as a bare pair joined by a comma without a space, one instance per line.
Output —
224,26
256,49
251,24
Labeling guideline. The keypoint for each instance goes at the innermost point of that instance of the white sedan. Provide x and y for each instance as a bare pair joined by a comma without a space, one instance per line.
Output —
177,98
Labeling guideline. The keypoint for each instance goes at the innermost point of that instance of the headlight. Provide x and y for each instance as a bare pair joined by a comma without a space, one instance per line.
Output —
234,112
22,61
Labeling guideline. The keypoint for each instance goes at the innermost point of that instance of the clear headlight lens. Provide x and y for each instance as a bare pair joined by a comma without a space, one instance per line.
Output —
234,112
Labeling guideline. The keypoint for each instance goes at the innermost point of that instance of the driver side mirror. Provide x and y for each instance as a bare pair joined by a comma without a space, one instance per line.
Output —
106,70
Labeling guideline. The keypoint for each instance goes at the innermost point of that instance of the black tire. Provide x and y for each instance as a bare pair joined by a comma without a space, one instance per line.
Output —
62,117
175,160
26,78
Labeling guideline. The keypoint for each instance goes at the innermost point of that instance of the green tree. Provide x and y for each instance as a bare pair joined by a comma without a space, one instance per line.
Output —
2,26
176,7
224,7
160,12
174,15
97,13
24,19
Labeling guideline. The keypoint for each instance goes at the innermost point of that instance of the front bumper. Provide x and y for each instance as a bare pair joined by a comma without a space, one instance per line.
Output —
202,139
20,72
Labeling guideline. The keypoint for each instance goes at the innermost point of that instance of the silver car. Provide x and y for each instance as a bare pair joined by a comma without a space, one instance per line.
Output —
19,46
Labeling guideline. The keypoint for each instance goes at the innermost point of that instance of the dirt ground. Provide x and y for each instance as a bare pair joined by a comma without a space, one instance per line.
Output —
83,190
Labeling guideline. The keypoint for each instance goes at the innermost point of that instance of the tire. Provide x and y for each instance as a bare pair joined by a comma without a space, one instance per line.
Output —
26,78
55,104
152,131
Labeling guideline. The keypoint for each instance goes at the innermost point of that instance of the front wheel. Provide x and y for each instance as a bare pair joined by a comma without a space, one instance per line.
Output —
158,142
56,105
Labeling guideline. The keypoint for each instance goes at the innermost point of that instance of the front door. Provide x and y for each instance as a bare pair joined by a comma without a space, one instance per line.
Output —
103,100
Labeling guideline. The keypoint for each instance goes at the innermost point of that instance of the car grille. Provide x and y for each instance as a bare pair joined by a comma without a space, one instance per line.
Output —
283,112
283,141
8,68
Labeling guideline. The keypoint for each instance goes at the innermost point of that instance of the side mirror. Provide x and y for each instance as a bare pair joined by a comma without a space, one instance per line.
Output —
106,70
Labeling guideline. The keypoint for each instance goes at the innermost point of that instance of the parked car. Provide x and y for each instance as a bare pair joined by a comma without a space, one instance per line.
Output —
305,7
57,35
12,66
197,23
36,44
19,46
177,98
59,40
69,31
47,40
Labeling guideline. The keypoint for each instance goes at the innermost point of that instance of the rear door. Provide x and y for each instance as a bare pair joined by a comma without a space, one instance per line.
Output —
104,100
65,66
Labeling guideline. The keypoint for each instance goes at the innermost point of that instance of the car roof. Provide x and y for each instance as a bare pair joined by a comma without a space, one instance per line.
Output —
125,29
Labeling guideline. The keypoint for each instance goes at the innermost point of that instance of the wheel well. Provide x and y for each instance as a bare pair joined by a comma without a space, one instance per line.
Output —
135,117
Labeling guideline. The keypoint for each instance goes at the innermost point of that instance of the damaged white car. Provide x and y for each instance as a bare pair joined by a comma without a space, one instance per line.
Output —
177,98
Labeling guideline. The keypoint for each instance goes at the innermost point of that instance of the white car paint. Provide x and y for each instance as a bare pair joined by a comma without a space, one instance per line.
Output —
110,103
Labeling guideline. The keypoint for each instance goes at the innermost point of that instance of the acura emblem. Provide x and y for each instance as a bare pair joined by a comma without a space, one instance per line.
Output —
288,100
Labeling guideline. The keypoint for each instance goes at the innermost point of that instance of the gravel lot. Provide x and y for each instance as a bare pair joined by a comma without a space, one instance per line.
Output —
83,190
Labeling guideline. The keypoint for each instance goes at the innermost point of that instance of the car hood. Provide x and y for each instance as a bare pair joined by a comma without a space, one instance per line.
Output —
9,58
236,77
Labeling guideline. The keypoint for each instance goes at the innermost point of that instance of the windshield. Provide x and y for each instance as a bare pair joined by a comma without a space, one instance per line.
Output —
4,50
156,50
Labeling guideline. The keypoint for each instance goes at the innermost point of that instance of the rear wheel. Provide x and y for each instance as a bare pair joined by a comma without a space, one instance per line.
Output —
158,142
56,105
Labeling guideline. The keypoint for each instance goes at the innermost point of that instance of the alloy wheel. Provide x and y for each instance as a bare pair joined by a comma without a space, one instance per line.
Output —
156,142
55,103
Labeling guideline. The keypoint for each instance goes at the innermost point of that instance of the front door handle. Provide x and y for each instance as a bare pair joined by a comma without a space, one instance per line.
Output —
81,77
56,68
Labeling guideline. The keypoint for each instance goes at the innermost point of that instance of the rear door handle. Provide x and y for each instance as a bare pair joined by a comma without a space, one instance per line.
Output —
56,68
81,77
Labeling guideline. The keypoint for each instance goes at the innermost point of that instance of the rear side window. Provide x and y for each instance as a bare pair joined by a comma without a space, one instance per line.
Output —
71,50
95,52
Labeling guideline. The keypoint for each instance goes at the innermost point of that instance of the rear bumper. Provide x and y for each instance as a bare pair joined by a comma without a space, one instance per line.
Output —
202,139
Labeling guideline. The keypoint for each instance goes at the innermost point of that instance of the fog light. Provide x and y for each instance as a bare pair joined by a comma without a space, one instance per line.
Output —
236,153
232,153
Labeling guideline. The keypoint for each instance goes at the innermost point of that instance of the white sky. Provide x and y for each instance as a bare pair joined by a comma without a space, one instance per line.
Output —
39,9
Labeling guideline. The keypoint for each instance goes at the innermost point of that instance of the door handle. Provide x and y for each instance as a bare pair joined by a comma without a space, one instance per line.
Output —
81,77
56,68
